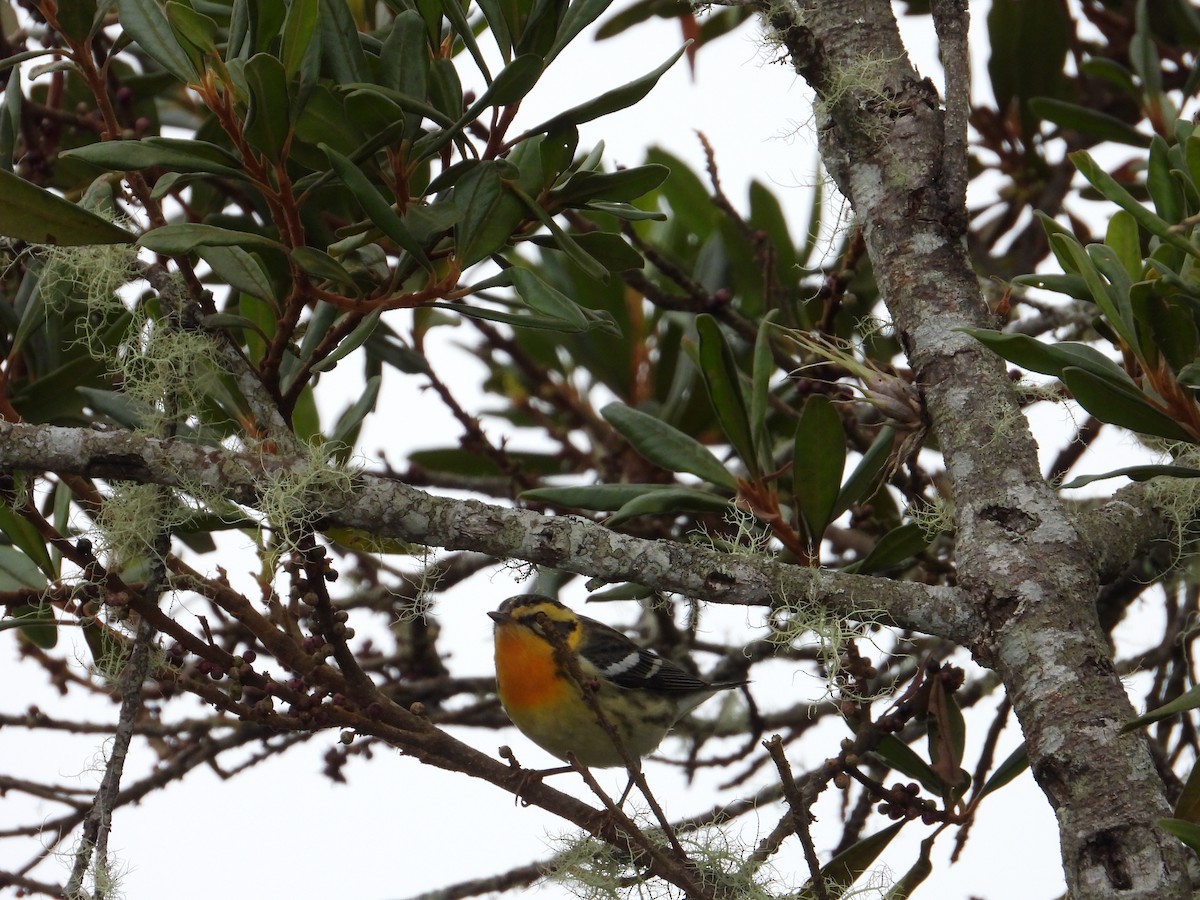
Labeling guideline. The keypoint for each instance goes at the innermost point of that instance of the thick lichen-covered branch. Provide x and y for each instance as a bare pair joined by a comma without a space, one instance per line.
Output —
389,508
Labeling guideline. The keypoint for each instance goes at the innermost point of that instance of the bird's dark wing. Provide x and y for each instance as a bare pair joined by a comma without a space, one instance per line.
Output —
629,666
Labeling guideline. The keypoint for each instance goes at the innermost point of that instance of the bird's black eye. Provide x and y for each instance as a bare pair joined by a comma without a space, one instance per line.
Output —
544,625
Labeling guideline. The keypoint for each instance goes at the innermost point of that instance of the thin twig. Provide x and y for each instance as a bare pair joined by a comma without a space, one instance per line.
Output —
951,20
801,817
98,824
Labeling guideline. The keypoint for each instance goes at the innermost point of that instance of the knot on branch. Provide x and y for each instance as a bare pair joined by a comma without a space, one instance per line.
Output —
1010,519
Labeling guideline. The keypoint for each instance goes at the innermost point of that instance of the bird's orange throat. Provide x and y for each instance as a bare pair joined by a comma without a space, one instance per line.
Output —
525,669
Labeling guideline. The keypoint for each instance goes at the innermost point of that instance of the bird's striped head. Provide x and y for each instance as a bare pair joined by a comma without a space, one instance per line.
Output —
535,611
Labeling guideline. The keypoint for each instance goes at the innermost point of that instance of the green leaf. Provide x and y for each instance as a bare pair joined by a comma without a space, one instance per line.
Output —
666,446
610,250
1086,121
323,266
322,319
595,497
610,101
1167,312
31,306
579,14
670,502
1135,473
849,865
1050,359
1163,189
905,760
456,461
762,368
146,23
1143,56
544,299
18,571
623,185
1016,763
1071,285
1029,45
946,736
404,62
562,240
1187,807
490,212
1112,190
350,342
77,18
33,214
523,320
445,92
1111,301
1187,832
895,547
723,381
298,28
10,119
813,236
378,210
1122,237
626,211
1125,406
239,269
168,153
26,538
267,125
341,46
818,460
512,84
462,27
171,240
117,406
1186,701
864,480
196,33
1112,72
35,623
495,13
641,11
766,213
345,431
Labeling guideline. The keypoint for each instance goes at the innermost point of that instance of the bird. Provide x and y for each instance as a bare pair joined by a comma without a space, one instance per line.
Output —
544,650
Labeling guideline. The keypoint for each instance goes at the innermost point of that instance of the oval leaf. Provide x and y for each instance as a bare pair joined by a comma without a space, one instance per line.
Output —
818,460
723,380
34,214
667,446
1128,408
179,239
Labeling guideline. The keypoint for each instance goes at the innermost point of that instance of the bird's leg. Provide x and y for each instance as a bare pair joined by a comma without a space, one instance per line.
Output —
528,775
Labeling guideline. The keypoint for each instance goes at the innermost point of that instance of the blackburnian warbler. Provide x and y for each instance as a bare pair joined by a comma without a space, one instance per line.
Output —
640,694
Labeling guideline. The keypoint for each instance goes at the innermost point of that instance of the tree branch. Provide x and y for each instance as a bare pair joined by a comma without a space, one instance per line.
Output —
388,508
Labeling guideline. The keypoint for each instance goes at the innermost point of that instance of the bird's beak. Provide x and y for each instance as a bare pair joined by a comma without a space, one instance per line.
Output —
498,617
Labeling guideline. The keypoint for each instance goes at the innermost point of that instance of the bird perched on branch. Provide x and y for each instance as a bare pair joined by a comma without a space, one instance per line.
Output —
575,686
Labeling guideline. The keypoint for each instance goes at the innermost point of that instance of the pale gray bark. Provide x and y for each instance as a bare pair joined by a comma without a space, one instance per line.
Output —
391,509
